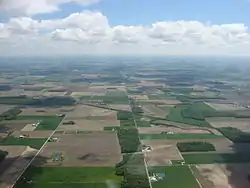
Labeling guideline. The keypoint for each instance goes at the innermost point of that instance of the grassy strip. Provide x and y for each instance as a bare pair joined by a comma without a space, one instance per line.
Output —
178,136
195,146
47,122
210,158
89,177
32,142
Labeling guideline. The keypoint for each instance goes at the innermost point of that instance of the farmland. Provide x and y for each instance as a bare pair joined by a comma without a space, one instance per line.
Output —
45,122
150,124
174,176
69,177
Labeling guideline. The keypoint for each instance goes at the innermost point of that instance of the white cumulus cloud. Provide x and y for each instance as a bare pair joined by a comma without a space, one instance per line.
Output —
91,30
33,7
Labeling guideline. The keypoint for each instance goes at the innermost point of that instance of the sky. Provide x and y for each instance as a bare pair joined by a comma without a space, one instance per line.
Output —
123,27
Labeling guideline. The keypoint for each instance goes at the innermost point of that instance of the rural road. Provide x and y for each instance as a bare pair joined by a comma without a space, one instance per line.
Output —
35,155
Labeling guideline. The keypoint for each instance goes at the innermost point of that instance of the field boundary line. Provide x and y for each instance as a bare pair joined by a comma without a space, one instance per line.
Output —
20,175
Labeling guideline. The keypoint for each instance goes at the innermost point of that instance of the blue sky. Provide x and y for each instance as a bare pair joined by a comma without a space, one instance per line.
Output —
136,12
214,27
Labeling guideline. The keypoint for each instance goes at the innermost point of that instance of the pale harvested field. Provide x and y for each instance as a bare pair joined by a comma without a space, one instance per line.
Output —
32,134
225,107
29,127
4,108
139,97
14,125
4,81
240,123
150,83
84,111
159,129
223,176
98,89
88,125
222,145
162,152
46,111
186,126
95,75
37,85
199,88
11,174
11,93
120,107
13,153
105,86
48,94
93,149
162,102
32,93
77,87
87,93
150,109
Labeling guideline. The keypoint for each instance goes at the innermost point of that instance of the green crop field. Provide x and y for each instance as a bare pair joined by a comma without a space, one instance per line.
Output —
160,97
143,123
175,115
178,136
175,177
210,158
47,122
67,177
32,142
165,108
111,99
195,146
115,93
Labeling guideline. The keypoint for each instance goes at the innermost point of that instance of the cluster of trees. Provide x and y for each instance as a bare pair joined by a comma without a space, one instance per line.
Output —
133,171
195,146
235,135
10,114
3,154
69,123
129,140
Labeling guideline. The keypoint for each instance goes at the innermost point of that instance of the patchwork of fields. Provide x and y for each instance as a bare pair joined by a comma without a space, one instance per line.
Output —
145,129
